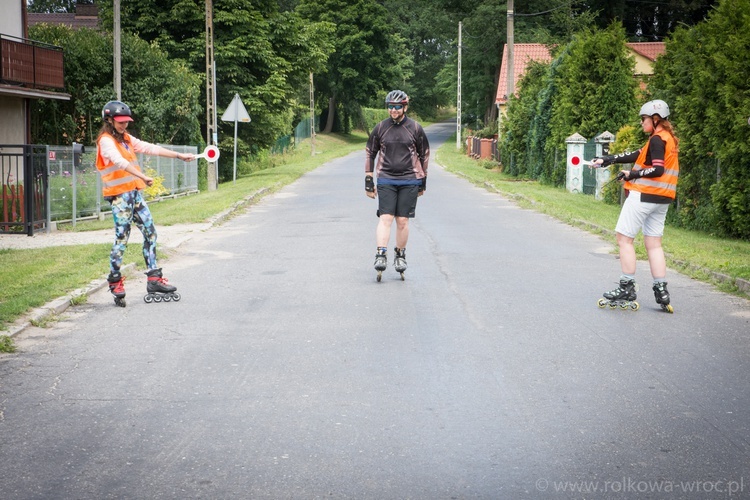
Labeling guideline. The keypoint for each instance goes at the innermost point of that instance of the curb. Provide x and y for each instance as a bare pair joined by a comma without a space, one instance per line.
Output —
58,306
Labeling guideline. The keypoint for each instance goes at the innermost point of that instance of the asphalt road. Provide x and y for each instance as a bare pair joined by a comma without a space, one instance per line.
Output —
287,371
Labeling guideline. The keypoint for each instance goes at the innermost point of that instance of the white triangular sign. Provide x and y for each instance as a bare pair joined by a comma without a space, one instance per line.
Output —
236,111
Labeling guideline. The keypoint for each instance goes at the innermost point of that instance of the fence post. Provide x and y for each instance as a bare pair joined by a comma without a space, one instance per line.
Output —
75,184
48,189
574,169
602,141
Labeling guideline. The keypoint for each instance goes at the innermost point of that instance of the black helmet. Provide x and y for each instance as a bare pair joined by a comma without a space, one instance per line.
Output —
117,110
397,97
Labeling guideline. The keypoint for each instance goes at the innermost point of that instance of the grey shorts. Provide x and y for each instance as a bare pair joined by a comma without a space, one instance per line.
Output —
400,201
637,215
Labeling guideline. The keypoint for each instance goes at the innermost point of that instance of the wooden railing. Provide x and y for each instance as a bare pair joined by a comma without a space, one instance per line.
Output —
31,64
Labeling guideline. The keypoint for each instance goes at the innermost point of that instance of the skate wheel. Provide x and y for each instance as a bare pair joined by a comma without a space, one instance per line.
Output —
167,298
120,302
380,276
602,303
402,277
176,297
157,298
668,308
612,305
148,299
635,306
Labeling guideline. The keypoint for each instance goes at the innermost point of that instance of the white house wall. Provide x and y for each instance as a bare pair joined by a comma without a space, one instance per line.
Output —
12,119
10,20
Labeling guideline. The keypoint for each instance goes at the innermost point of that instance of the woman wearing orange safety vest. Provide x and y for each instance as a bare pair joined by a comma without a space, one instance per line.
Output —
652,187
122,185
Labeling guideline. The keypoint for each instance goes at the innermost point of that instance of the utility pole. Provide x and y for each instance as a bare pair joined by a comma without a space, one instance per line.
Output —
312,116
211,131
458,92
511,83
116,36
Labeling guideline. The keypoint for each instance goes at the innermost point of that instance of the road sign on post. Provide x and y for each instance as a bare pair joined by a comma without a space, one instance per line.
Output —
235,112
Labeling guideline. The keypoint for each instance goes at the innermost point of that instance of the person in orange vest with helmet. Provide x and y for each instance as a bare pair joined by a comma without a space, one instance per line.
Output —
122,186
652,186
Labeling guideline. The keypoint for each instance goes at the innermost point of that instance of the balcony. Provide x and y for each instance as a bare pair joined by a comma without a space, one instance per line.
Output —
31,65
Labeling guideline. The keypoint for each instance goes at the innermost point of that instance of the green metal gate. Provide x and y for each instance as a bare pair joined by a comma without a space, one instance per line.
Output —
589,174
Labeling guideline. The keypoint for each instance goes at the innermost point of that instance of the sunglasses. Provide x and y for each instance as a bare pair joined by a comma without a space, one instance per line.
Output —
395,106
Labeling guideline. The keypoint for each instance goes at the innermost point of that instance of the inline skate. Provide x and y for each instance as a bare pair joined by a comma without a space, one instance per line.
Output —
159,289
117,288
623,296
662,296
381,263
399,261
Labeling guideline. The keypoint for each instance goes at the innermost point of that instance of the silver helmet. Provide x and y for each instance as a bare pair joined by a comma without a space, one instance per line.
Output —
655,107
397,97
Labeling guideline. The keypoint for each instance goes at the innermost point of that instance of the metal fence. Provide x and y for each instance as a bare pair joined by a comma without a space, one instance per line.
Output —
75,190
303,130
23,199
484,149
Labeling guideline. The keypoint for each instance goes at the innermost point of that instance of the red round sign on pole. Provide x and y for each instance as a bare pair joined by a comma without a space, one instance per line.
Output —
211,153
576,160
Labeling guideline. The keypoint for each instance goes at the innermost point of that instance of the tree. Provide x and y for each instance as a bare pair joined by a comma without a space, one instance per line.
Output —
368,56
262,53
517,126
705,78
588,88
649,21
428,32
163,94
53,6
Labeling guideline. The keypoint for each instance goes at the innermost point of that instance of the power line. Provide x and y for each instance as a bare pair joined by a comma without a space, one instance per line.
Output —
567,4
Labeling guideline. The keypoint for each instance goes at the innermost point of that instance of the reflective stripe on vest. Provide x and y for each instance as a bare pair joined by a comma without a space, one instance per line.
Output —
115,180
665,184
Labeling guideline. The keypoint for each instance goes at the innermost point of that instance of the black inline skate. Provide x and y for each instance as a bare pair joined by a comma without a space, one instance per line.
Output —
662,296
381,263
159,289
117,287
399,261
623,296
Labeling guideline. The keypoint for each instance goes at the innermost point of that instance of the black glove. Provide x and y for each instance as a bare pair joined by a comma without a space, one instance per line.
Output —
369,184
606,161
423,186
620,175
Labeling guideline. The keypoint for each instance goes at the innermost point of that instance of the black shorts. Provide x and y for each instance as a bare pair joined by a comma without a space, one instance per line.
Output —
400,201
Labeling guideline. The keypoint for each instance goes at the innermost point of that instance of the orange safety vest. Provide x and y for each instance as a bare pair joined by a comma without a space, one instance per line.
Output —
665,184
115,180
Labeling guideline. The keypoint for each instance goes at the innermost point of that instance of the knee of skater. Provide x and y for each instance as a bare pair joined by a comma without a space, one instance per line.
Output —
623,240
386,219
652,242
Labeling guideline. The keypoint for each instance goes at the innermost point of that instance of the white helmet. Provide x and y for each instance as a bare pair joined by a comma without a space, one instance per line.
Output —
656,107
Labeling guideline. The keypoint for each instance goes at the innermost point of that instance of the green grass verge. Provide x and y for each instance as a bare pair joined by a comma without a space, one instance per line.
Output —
31,278
697,254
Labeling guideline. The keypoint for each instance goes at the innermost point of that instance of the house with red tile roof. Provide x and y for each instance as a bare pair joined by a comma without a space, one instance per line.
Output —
523,54
644,53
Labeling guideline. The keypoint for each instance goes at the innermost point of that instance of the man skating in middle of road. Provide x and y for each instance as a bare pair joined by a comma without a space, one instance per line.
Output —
401,172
